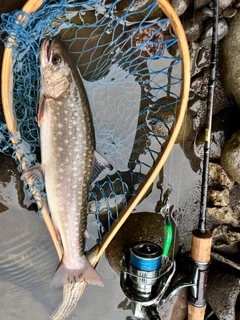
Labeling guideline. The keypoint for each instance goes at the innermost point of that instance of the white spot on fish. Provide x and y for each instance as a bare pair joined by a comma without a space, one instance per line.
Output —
60,125
59,103
60,149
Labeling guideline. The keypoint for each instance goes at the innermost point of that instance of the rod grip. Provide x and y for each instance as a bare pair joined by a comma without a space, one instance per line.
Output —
201,246
196,313
200,254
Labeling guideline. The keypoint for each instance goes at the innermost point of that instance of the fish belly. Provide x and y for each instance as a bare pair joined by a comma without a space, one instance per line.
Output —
67,153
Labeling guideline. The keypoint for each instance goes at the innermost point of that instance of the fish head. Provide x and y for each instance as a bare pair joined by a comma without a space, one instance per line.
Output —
56,75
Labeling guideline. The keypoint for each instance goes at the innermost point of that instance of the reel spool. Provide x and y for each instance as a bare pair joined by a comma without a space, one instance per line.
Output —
143,278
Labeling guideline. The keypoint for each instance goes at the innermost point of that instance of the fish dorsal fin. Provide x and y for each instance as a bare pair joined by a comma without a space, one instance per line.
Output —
100,165
41,109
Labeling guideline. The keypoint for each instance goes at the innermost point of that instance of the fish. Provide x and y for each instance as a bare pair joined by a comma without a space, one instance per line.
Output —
69,162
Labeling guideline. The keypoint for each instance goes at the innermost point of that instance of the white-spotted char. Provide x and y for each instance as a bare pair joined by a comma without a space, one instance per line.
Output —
67,151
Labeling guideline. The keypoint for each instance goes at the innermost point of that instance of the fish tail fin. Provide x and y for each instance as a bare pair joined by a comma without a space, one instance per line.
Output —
87,273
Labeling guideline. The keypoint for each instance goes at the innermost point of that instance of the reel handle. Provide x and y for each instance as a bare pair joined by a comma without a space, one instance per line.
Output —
200,254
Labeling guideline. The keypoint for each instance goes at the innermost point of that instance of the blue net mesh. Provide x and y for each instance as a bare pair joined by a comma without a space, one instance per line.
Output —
122,50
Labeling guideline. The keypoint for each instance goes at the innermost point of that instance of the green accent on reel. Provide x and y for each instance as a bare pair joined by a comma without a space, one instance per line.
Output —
168,236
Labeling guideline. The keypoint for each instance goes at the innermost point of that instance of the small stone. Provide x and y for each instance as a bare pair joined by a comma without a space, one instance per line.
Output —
149,40
200,3
223,4
225,214
194,48
180,6
207,12
224,124
203,59
199,85
223,260
226,240
227,235
219,198
218,177
136,10
230,60
230,157
206,38
234,195
166,114
192,26
229,13
223,290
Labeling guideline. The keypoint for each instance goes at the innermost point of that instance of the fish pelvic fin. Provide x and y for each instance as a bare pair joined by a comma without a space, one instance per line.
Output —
87,273
35,173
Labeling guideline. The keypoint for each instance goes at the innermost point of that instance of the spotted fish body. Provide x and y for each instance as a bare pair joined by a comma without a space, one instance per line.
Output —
67,150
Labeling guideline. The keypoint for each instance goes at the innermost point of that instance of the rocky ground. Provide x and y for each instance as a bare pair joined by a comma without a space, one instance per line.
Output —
224,170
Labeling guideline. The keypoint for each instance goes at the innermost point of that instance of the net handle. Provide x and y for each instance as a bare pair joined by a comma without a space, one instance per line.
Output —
7,88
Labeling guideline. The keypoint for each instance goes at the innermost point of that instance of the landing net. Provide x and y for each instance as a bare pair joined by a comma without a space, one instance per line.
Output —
129,60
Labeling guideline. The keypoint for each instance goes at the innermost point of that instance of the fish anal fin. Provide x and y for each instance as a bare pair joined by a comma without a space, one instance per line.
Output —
41,109
86,273
100,165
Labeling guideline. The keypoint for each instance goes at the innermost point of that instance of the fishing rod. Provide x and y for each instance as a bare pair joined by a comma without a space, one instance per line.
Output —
145,283
201,238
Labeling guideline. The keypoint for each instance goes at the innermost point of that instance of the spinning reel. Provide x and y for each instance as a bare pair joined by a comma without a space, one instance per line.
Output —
145,277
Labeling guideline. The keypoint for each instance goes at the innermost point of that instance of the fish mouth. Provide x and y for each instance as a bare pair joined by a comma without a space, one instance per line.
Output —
46,51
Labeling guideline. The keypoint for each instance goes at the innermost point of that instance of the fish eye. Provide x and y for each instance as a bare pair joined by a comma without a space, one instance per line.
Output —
56,59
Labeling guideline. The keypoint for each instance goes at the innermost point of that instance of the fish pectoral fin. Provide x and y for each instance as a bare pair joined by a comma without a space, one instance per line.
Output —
34,173
87,273
100,165
41,109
